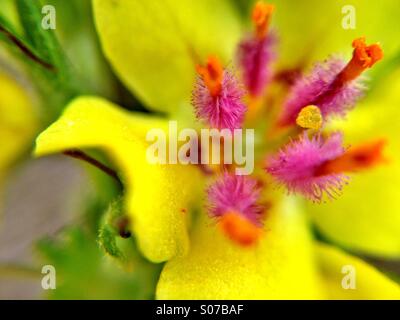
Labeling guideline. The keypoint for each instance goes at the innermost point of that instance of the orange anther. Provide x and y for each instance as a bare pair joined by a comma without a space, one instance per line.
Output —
363,57
239,229
261,16
361,157
212,75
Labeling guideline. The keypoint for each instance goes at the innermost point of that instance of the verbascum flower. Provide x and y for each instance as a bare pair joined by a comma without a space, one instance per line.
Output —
248,240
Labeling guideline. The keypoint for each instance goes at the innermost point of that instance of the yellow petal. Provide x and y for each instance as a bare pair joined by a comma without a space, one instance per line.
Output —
342,22
366,216
154,45
280,266
17,121
156,195
347,277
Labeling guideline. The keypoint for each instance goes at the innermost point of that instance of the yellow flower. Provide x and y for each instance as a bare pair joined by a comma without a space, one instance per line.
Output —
17,122
283,264
154,48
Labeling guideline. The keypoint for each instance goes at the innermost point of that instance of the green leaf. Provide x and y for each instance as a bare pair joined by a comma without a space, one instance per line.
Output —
77,35
9,34
44,41
8,11
115,223
108,242
82,271
61,82
6,24
155,45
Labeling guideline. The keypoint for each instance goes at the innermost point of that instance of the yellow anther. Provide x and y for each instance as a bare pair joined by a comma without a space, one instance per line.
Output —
310,117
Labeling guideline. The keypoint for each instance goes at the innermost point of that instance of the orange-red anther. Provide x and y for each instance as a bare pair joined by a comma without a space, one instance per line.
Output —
212,75
239,229
261,17
363,57
361,157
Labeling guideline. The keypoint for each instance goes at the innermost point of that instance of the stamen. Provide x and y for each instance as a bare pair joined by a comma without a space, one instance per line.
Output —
261,16
333,86
256,53
296,166
310,117
217,96
240,229
363,57
212,75
358,158
233,200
